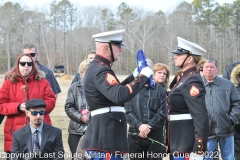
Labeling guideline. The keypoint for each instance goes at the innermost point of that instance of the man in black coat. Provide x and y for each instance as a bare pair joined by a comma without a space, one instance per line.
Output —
46,145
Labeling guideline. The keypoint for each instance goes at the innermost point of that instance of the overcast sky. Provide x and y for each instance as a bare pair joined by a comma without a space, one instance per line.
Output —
155,5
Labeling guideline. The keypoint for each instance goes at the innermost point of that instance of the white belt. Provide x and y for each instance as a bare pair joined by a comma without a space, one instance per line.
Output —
177,117
107,109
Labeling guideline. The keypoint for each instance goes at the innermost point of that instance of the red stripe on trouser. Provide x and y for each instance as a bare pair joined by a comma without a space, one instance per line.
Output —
108,157
187,158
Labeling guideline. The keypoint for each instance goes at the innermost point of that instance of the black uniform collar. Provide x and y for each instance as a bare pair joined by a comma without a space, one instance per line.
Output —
103,60
189,71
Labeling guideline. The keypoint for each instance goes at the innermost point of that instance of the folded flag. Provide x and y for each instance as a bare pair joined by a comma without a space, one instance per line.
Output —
141,63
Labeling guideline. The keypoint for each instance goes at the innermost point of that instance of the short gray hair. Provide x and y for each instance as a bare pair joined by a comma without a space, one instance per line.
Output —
212,60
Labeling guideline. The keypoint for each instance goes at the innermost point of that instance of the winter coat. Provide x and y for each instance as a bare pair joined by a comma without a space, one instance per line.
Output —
223,104
75,102
227,73
235,78
12,95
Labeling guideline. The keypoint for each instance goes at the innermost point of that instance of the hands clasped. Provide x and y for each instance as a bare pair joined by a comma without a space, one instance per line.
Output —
144,130
85,116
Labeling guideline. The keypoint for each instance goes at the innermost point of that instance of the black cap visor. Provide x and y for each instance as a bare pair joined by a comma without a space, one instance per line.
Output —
119,43
181,51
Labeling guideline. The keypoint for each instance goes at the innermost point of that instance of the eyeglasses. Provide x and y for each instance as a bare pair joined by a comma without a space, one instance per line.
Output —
32,54
24,63
34,113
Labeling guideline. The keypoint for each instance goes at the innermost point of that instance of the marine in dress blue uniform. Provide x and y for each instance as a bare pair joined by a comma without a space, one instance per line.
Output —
188,116
105,95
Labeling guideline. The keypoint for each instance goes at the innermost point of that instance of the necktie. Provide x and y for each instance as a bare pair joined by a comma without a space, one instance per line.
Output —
36,147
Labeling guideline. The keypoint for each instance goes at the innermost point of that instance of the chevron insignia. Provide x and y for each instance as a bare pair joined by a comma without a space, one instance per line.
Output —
194,91
111,79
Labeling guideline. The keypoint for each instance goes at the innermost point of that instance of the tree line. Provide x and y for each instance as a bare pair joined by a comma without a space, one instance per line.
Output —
63,33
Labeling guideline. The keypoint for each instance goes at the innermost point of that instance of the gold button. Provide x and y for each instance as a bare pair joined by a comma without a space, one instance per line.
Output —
120,120
199,141
199,146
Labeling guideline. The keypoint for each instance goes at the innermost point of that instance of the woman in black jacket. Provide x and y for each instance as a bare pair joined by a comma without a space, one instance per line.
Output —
77,110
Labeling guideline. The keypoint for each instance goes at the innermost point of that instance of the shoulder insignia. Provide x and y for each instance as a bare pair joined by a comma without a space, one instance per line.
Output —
194,91
111,79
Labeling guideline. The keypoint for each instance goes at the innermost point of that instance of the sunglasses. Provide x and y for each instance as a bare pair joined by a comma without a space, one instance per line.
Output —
34,113
24,63
32,54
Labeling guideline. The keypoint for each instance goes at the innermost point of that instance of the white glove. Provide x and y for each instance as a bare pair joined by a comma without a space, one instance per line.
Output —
135,73
147,71
195,156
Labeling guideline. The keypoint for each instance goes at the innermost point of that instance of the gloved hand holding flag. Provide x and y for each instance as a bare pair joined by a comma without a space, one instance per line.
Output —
141,63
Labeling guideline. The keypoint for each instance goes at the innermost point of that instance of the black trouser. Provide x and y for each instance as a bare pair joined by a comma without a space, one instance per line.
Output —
73,140
143,148
237,155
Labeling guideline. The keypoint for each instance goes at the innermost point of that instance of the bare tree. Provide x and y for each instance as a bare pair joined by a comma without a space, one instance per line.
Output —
10,19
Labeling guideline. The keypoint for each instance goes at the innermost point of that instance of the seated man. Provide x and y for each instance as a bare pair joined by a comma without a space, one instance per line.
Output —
37,139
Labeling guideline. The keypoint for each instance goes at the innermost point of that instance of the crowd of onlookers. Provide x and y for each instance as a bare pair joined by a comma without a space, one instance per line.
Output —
198,113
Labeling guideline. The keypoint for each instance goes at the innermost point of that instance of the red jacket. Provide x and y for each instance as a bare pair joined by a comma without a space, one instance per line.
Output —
11,96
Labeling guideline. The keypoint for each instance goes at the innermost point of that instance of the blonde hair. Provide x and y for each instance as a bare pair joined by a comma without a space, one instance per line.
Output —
200,64
83,66
235,75
196,58
161,66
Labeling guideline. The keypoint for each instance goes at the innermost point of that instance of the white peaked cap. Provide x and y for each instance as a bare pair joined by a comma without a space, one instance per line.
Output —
193,48
114,37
